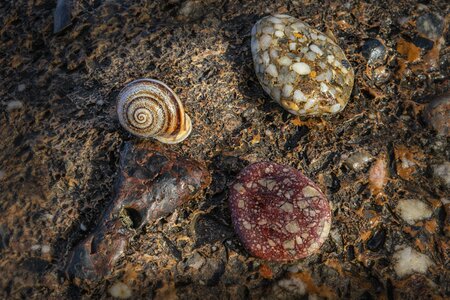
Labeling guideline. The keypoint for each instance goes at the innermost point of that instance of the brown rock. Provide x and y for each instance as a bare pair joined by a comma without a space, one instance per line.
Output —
152,183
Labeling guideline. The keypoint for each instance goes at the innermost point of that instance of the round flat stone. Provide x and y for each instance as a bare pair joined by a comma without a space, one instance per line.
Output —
278,213
300,67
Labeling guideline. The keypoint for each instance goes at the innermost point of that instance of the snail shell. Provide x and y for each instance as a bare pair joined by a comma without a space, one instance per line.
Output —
149,108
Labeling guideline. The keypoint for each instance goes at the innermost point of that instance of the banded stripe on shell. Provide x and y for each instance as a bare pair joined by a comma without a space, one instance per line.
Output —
149,108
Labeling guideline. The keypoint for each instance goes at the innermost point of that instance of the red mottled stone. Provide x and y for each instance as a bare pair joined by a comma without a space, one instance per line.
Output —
152,183
279,213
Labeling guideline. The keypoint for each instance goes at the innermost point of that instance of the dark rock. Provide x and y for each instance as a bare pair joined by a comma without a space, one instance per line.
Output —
332,182
62,15
423,43
437,114
153,182
35,265
293,141
374,51
377,240
208,230
430,25
212,271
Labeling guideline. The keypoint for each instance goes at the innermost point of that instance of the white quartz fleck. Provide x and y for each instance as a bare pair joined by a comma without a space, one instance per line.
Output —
310,103
247,225
272,70
299,96
301,68
330,59
323,87
239,188
268,30
316,49
310,56
287,207
273,53
413,210
241,204
335,108
292,46
308,192
287,90
285,61
292,227
289,244
265,41
408,261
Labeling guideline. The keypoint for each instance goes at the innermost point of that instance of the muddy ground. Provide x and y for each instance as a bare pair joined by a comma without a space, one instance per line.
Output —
61,141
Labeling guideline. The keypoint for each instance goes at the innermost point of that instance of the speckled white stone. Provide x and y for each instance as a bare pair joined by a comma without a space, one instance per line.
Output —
300,67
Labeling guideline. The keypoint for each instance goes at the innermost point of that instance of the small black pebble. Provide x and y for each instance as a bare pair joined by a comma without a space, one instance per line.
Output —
377,240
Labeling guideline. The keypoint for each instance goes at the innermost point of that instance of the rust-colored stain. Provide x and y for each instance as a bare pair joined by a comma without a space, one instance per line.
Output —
431,225
405,162
312,288
411,51
378,175
265,271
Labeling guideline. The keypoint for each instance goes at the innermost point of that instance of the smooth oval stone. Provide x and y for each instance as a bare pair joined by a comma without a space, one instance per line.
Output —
300,67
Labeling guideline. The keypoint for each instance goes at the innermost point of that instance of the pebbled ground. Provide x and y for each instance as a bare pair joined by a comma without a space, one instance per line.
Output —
60,144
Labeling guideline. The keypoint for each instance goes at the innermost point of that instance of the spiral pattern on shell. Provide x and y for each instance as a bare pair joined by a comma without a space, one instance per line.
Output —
149,108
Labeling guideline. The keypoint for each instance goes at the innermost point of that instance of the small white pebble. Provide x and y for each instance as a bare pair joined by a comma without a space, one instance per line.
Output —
304,50
265,41
322,37
301,68
316,49
330,59
292,46
279,33
321,76
409,261
314,36
272,70
13,105
299,96
35,247
83,227
268,30
285,61
413,210
310,56
273,53
310,103
45,249
287,90
279,27
120,290
323,87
